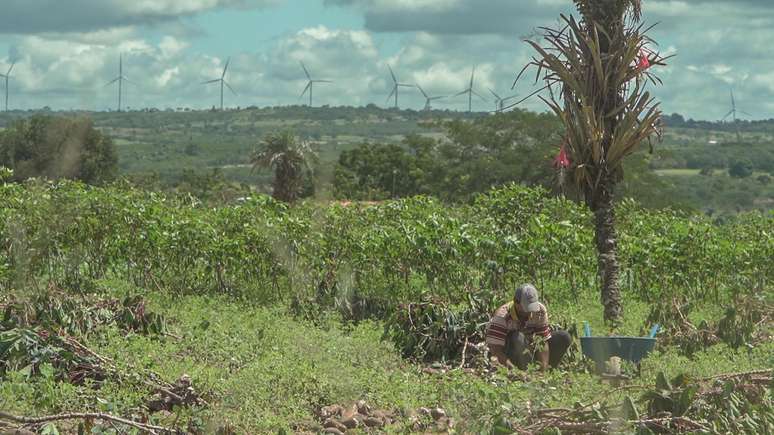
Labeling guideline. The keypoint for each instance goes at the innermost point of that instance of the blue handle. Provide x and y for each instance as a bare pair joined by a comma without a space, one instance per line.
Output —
654,330
586,329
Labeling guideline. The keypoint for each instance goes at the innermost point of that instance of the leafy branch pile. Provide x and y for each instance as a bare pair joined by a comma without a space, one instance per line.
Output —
729,403
37,338
747,322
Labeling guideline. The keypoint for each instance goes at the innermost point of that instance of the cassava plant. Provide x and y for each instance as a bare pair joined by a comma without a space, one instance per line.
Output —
595,72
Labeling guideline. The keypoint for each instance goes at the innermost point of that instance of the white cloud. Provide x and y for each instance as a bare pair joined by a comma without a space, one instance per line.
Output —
78,16
718,44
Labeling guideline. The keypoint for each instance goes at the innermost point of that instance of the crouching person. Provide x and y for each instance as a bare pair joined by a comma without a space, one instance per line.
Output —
519,333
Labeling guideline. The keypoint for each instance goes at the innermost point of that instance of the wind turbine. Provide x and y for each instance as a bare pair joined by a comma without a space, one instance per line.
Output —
7,76
223,82
732,114
499,101
120,79
310,84
395,86
428,99
470,91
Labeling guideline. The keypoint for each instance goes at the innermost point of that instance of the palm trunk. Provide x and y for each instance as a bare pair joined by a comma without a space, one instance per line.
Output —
607,259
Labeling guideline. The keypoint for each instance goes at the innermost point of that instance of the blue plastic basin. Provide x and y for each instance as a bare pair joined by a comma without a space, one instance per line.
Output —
600,349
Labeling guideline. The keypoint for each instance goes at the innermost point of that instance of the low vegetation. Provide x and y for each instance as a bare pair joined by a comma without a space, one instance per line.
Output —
260,317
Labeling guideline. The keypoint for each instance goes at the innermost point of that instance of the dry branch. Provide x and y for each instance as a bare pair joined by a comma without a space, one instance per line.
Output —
726,376
88,416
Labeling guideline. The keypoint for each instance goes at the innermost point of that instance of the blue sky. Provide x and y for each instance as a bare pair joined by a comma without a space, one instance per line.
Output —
244,30
66,50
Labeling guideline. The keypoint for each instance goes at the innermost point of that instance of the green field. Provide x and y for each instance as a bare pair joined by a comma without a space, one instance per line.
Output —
678,172
258,317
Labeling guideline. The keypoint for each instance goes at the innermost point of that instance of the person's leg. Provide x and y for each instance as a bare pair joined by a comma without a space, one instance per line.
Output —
516,350
557,346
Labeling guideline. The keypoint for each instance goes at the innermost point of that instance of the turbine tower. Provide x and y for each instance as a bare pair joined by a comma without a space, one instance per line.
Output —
310,84
223,83
7,76
732,114
500,102
428,99
395,87
470,91
120,79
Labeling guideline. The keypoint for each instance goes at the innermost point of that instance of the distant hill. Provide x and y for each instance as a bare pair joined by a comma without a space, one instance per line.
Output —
171,144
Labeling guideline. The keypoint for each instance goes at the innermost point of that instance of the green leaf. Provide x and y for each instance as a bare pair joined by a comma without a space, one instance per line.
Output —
630,409
49,429
662,383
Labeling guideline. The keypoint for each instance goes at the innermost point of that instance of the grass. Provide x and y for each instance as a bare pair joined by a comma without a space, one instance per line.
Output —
263,370
678,172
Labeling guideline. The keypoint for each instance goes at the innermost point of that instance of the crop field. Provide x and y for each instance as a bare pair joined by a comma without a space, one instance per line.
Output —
257,317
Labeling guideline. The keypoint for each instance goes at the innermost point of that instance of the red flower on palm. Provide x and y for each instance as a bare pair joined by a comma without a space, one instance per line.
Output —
561,161
644,62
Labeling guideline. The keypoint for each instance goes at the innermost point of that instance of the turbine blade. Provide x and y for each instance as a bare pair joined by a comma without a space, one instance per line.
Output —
727,115
129,81
461,93
322,81
308,85
225,68
422,91
495,95
392,93
306,71
229,87
112,81
472,75
437,98
208,82
392,74
745,113
477,94
10,69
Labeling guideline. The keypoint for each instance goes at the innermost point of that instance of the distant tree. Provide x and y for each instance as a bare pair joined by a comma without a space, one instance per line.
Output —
290,159
192,149
57,147
764,179
376,172
741,168
707,171
597,69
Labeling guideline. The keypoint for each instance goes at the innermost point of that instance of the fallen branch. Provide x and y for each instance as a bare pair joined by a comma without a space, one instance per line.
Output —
685,420
88,416
464,349
738,375
157,385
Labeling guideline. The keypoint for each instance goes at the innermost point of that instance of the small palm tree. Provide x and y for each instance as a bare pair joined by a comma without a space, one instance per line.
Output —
290,159
595,72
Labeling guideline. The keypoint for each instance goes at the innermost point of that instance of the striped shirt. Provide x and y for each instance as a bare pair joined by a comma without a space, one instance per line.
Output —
502,323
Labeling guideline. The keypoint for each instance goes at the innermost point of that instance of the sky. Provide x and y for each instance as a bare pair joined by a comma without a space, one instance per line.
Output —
66,51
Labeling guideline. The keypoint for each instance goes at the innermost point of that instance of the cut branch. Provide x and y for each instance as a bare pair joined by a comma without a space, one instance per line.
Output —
87,416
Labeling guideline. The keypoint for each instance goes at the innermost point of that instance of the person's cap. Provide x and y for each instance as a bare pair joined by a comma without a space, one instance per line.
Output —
527,296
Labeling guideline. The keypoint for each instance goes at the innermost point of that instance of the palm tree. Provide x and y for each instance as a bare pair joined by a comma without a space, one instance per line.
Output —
290,159
595,71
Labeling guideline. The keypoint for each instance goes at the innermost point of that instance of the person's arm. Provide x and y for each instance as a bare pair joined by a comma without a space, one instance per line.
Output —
496,335
498,352
542,357
538,324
